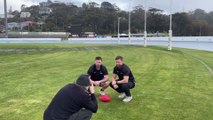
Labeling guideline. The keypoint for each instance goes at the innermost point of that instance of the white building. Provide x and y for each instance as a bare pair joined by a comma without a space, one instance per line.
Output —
26,23
8,16
13,25
25,14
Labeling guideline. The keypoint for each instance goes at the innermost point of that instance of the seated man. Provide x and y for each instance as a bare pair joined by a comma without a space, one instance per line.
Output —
125,80
99,75
73,102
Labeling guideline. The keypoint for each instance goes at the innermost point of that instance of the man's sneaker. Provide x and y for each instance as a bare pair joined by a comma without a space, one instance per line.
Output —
122,95
127,99
102,92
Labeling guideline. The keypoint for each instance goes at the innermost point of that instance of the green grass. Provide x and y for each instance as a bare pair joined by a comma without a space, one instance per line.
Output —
171,85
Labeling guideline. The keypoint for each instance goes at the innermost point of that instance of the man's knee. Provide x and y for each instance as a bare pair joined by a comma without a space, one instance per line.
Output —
86,112
83,114
129,85
125,86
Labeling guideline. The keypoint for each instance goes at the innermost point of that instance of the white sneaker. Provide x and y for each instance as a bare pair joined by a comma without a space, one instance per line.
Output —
127,99
102,92
122,95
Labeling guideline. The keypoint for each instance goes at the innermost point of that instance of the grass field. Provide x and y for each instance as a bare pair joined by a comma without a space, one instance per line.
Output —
171,85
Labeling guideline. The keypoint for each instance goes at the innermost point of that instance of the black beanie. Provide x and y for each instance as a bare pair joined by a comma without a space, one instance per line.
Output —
83,80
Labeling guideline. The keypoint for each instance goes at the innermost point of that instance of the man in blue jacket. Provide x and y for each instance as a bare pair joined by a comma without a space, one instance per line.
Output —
73,102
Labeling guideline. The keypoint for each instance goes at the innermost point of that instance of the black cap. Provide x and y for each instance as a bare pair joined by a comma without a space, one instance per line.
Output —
83,80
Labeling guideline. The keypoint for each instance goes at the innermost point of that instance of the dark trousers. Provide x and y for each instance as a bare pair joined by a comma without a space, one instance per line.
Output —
82,114
124,88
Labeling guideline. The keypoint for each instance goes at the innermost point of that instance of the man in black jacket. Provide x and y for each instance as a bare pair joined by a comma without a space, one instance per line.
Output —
73,102
99,75
125,81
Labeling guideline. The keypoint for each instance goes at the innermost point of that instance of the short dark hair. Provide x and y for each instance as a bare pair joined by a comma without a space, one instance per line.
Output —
119,58
98,58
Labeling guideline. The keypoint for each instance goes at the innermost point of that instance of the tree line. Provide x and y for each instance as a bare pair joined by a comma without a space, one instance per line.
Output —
102,19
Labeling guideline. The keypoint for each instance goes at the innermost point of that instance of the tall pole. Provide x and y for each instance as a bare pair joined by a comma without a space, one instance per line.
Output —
129,38
5,16
145,21
114,27
170,28
119,30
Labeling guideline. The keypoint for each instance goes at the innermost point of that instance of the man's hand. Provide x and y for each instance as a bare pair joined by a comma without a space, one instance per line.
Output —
97,83
115,86
113,82
92,90
92,82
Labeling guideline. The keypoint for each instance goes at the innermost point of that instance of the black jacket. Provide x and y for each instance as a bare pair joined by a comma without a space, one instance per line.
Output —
69,100
95,74
122,71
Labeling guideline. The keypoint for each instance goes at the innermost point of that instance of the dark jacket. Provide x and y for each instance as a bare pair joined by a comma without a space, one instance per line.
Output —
95,74
69,100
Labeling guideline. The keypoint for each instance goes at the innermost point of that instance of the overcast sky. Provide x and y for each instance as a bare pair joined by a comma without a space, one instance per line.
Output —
178,5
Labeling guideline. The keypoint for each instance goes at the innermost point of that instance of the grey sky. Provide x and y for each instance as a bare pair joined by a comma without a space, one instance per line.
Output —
178,5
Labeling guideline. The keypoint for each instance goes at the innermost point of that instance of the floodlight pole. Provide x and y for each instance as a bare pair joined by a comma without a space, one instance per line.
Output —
129,35
5,16
119,30
145,21
170,28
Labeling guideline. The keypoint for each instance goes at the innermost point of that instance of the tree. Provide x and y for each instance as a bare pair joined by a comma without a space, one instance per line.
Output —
181,24
156,21
210,23
93,4
59,19
103,18
23,6
107,5
155,11
137,18
85,6
199,14
199,28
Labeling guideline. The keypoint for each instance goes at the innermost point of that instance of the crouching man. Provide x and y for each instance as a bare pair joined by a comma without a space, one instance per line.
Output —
125,80
99,75
73,102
